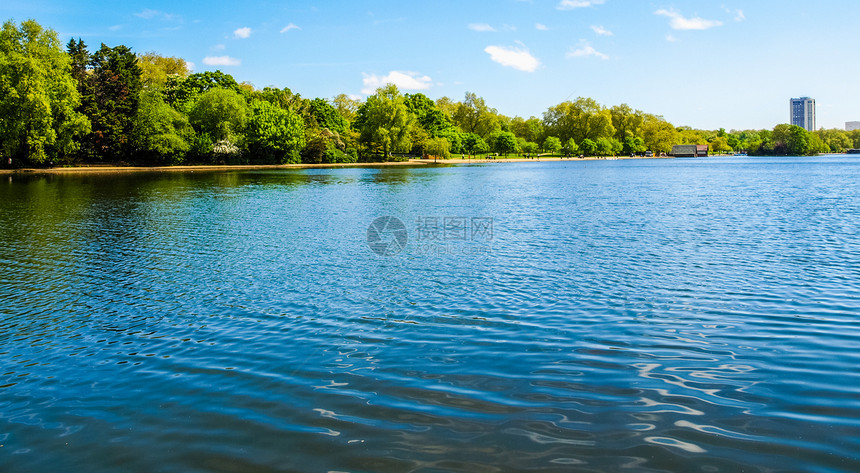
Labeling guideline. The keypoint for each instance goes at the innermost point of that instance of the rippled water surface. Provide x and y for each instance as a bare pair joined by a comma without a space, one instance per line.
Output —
682,315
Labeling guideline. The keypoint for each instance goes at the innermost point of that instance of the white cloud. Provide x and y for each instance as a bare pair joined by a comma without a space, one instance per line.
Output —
481,27
190,66
218,47
571,4
679,22
291,26
585,50
601,30
149,14
242,33
404,80
541,27
671,38
221,61
518,58
739,15
115,27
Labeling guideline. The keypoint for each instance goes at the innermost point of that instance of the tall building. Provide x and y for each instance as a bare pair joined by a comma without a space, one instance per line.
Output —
851,126
803,113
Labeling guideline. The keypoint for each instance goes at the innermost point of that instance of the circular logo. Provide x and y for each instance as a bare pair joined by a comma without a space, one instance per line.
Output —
387,236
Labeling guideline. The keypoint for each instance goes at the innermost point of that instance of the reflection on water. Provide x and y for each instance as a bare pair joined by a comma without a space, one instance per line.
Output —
642,316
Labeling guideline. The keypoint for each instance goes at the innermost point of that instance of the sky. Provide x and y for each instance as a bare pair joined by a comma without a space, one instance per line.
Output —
730,64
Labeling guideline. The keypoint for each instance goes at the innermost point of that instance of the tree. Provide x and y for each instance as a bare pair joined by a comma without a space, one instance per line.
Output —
474,116
570,146
836,140
504,142
582,119
474,144
552,144
80,60
161,134
588,147
530,130
633,145
791,140
439,147
274,134
179,91
659,135
346,106
608,146
155,69
112,102
626,121
38,96
327,117
855,138
529,147
220,114
720,144
428,116
384,122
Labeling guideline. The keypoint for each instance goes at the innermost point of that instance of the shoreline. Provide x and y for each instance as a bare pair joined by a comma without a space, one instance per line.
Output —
97,168
86,169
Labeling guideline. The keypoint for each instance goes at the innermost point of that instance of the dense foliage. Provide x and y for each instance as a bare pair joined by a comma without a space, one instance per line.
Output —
64,106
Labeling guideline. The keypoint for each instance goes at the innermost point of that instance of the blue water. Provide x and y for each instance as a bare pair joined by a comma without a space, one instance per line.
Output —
650,315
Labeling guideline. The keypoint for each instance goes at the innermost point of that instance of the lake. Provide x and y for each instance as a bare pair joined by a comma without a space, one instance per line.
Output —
601,316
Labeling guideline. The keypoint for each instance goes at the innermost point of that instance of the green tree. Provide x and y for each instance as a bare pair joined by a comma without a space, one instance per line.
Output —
111,105
161,134
439,147
474,144
326,116
570,146
855,138
720,144
581,119
180,91
155,69
530,130
791,140
552,144
633,145
384,122
504,142
626,121
346,106
274,134
658,134
220,114
588,147
80,61
608,146
428,116
528,146
836,140
38,96
474,116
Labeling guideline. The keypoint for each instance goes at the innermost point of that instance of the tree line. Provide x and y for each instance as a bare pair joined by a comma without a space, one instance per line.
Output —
62,104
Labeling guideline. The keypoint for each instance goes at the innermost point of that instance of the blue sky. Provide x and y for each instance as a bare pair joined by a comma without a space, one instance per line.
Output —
705,64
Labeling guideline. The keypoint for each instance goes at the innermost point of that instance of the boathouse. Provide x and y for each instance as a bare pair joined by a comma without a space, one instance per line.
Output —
690,151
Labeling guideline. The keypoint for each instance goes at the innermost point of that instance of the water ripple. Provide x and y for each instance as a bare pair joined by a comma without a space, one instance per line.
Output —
627,316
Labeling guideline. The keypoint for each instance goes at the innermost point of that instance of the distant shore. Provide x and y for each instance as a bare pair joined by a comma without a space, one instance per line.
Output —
99,168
